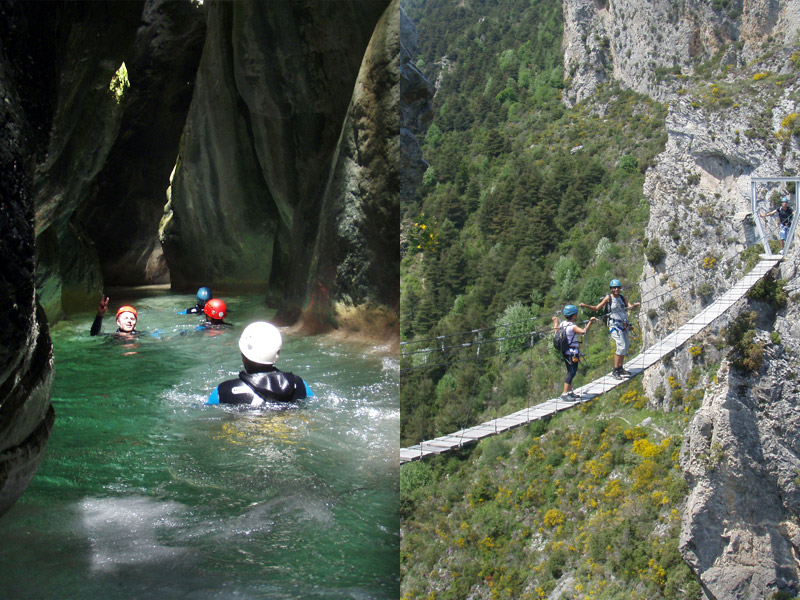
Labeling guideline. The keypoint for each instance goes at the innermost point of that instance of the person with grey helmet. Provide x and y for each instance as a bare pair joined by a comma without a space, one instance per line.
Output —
571,355
618,324
260,382
785,214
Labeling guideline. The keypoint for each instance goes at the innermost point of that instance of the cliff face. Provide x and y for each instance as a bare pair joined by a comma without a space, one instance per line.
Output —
638,43
26,362
100,183
272,93
355,273
740,450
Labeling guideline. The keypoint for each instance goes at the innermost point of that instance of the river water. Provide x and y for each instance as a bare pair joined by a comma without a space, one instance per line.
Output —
144,492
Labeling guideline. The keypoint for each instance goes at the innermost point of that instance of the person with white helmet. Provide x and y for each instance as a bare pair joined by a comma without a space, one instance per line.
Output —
618,324
260,382
570,352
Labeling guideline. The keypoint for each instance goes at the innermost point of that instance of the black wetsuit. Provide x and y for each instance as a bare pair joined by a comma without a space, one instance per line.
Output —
195,310
256,388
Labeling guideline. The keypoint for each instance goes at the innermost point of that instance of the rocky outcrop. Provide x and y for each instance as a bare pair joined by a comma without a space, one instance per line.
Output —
644,45
355,273
272,91
26,362
740,458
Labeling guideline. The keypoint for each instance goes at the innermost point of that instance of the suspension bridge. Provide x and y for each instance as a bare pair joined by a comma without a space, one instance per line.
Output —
645,359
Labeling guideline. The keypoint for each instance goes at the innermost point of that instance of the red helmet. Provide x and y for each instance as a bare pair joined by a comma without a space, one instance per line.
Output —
215,309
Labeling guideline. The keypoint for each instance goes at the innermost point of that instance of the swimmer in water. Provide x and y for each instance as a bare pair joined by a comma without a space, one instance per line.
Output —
203,296
260,382
215,311
126,319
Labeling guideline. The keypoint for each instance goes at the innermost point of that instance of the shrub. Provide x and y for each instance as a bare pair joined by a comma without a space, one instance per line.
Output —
769,289
654,252
514,325
746,353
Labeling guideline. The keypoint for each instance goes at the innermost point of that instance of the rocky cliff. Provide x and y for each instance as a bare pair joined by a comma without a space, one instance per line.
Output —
26,361
730,78
356,254
120,78
272,94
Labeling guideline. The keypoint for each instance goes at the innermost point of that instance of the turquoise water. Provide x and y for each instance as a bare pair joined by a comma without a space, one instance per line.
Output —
145,492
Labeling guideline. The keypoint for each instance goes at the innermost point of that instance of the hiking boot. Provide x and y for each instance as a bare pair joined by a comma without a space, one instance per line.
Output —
624,372
617,374
570,396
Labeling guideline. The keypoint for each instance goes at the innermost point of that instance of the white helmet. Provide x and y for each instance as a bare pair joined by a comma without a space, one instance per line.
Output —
261,343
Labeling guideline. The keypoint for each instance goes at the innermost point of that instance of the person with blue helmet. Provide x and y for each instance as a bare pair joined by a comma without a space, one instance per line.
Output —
260,382
203,296
571,355
618,324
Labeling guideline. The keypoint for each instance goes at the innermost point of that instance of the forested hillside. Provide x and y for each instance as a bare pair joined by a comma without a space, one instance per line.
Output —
526,205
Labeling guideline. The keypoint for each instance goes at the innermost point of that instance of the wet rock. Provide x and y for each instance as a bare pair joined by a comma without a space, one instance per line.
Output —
272,91
356,266
26,362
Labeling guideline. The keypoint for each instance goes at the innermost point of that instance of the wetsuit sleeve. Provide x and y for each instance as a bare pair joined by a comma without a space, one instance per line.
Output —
214,397
98,323
183,312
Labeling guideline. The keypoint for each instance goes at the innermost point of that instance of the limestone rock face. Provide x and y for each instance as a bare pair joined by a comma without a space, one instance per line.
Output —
639,43
356,261
272,91
740,457
26,362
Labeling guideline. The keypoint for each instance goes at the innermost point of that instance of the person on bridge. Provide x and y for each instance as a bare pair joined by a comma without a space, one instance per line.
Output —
260,382
785,214
203,296
618,324
571,355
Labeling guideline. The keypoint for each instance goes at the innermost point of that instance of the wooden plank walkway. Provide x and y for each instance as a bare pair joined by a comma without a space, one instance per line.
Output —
636,365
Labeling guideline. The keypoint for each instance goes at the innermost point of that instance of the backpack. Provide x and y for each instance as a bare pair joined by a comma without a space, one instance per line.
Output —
606,310
560,340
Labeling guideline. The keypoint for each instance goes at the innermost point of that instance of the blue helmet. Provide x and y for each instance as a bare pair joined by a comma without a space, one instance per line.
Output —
569,310
615,283
204,294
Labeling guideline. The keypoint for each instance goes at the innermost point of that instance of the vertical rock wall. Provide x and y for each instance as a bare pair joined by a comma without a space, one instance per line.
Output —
26,361
272,92
355,272
89,47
